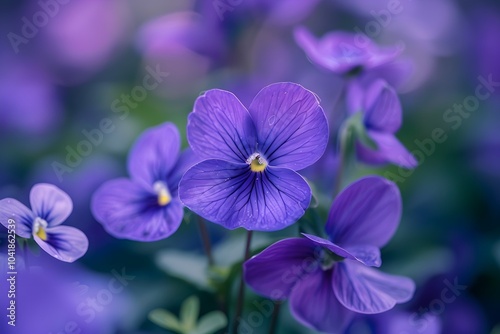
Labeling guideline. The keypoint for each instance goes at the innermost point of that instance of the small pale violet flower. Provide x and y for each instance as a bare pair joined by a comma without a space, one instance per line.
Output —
343,52
382,117
146,207
50,207
248,178
327,281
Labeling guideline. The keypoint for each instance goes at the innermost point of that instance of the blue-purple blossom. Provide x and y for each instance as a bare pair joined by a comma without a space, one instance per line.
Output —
357,56
343,52
248,178
327,280
50,207
146,207
382,118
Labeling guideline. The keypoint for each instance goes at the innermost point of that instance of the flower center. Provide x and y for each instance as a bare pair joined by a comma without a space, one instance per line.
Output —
39,228
257,162
162,192
327,259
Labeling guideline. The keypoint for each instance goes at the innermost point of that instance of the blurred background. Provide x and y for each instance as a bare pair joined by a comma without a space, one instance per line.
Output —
67,65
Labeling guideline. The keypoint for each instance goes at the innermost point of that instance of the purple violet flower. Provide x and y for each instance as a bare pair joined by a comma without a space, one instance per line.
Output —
343,52
249,176
146,207
382,117
327,280
50,206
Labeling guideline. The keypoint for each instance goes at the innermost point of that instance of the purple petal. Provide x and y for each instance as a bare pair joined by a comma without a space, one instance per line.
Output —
22,216
318,52
365,213
366,290
50,203
154,154
233,196
382,108
187,159
65,243
341,52
368,255
314,304
291,125
275,271
127,210
389,150
220,127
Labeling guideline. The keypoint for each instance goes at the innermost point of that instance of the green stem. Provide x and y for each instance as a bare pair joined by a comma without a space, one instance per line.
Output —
205,237
241,291
345,134
275,317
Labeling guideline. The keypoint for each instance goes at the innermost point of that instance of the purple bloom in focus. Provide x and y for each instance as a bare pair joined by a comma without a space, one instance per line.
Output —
249,176
382,117
343,52
50,207
326,280
146,206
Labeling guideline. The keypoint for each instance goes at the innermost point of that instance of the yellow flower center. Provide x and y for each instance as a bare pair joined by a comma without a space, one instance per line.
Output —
39,228
257,163
42,234
162,192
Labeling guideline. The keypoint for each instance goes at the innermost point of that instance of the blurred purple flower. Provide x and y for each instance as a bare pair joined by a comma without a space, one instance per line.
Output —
50,207
82,36
146,207
344,53
486,49
396,322
28,101
52,297
427,29
281,12
249,177
327,280
185,45
382,117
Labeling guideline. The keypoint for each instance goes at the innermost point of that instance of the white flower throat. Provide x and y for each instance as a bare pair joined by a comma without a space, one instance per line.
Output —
164,196
257,162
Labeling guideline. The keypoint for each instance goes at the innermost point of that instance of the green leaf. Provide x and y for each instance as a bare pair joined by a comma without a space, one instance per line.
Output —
193,267
190,267
211,323
167,320
356,124
190,310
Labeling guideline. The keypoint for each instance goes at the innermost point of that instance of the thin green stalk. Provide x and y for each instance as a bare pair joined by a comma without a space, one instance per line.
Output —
274,320
205,237
241,291
345,133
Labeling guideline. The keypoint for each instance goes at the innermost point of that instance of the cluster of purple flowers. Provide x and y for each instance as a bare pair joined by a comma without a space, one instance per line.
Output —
241,170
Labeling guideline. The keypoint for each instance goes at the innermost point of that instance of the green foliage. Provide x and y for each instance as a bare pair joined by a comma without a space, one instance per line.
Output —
188,322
